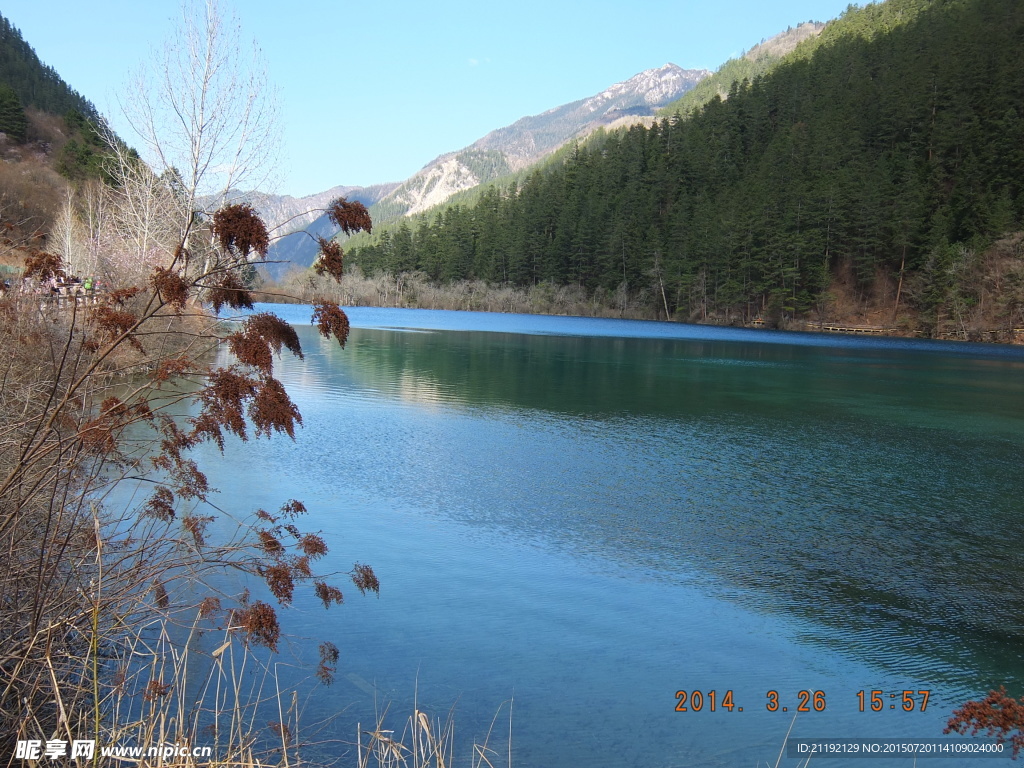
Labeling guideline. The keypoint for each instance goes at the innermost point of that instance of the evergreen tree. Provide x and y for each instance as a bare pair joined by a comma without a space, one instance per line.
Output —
12,115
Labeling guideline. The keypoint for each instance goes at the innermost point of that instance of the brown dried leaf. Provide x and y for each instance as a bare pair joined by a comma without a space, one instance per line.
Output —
273,410
331,320
998,715
173,288
260,335
43,265
365,579
229,291
160,595
328,594
313,545
270,544
239,228
209,607
160,505
112,324
196,527
156,690
259,621
331,260
280,581
223,405
349,216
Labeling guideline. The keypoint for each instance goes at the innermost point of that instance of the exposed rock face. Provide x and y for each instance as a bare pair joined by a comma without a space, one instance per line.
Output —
784,42
435,184
531,138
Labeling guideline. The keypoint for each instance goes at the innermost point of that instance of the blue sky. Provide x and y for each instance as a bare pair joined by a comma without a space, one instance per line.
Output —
374,91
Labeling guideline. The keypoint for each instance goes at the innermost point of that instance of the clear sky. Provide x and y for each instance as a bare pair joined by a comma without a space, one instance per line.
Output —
373,91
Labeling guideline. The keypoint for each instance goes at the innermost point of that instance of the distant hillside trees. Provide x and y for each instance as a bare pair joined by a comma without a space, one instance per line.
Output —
82,157
25,82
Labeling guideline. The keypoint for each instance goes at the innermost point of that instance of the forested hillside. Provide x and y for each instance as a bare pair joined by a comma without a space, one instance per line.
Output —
36,84
49,138
759,60
887,156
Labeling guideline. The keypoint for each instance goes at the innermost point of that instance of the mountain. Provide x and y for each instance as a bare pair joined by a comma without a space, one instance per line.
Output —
785,42
296,222
529,139
36,84
624,104
440,179
511,148
877,171
48,137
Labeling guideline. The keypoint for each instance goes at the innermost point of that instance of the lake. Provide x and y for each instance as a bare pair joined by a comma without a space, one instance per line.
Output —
589,516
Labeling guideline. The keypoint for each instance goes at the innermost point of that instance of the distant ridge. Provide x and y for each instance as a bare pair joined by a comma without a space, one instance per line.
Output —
292,221
515,147
284,214
531,138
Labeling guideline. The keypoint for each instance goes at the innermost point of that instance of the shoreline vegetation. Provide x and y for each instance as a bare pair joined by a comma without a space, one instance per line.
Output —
99,585
983,305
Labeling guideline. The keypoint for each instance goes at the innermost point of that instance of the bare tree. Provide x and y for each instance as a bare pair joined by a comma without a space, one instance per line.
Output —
69,240
205,118
204,109
148,215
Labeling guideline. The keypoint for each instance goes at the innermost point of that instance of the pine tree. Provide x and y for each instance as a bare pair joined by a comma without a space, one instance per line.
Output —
12,115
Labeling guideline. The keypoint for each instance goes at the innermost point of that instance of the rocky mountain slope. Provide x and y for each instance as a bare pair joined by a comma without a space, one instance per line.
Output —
873,174
529,139
506,150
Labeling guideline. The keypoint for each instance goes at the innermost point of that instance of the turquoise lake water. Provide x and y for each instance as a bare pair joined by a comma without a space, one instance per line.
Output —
587,516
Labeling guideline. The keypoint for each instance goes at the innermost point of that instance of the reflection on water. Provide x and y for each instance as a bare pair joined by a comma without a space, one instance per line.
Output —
593,522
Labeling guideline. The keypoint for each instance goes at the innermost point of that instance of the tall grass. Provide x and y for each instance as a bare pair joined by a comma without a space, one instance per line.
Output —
426,742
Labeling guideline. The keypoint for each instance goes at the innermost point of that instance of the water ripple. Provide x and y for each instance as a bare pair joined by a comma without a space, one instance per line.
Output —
596,522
